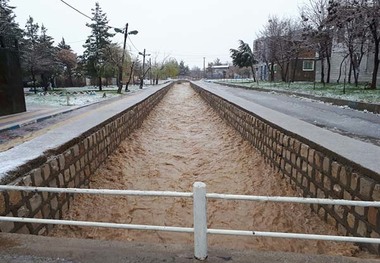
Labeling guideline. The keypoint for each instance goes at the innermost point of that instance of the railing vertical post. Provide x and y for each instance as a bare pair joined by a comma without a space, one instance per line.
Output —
200,221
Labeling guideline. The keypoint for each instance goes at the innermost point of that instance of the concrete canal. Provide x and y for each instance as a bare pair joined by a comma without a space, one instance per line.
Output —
182,141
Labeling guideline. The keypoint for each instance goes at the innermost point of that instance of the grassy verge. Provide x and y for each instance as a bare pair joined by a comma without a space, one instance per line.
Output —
350,92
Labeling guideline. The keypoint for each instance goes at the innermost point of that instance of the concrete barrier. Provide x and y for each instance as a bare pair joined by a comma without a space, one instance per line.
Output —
317,162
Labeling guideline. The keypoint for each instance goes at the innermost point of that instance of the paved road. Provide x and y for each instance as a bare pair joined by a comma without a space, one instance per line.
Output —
356,124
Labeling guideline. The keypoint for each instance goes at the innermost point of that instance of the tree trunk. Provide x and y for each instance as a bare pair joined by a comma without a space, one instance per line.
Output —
272,72
70,78
130,77
295,69
323,71
340,68
253,73
376,64
119,80
350,72
100,83
328,60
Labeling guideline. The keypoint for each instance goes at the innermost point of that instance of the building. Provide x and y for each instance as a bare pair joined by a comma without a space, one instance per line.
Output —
340,67
286,66
219,71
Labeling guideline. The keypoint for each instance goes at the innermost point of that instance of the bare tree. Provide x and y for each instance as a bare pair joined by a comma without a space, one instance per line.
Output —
350,33
158,68
359,24
318,32
280,44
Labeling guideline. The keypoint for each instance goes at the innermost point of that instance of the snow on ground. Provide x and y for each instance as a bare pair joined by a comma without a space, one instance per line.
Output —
78,96
330,90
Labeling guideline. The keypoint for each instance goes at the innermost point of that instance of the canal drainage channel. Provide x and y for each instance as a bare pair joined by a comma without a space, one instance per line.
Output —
182,141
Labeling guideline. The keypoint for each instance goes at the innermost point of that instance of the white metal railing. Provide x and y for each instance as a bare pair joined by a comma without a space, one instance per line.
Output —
200,230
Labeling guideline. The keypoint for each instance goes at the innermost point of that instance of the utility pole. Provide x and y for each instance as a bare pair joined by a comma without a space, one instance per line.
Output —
122,60
150,71
143,68
126,33
204,67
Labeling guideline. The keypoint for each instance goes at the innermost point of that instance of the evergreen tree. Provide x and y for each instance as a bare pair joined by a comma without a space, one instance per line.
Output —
63,45
29,56
183,69
48,62
68,61
96,45
243,57
39,54
9,29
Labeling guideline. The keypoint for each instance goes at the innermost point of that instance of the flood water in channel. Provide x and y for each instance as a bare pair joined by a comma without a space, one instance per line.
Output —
181,142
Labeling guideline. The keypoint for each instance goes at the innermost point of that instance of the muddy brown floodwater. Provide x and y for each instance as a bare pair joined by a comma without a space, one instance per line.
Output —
183,141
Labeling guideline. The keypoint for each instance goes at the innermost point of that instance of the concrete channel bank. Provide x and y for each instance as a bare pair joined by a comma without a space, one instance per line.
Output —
317,162
67,157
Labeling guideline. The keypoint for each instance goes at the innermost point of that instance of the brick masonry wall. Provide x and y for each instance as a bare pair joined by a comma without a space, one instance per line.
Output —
72,168
313,170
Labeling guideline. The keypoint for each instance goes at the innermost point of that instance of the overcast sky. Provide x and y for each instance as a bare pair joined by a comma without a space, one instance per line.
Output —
186,30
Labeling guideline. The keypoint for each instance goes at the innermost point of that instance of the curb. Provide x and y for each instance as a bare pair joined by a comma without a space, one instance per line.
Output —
45,117
356,105
38,119
48,116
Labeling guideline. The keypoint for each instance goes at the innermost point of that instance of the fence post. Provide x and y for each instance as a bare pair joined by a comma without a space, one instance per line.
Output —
200,221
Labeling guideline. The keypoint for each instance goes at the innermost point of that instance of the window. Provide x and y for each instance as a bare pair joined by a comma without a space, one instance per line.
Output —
308,65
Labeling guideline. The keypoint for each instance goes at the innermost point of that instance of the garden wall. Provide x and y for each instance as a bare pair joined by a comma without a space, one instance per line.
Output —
315,170
70,165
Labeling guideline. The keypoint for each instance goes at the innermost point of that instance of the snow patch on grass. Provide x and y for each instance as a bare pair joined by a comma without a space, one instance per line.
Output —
352,93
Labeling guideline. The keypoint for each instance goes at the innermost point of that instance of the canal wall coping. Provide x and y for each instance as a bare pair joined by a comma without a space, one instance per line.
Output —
66,157
317,162
363,154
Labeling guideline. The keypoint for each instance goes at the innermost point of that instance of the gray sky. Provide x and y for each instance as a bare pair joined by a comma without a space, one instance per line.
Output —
185,30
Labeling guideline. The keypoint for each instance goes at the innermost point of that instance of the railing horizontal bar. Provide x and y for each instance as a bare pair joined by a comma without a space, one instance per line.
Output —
293,236
302,200
96,224
191,230
189,194
95,191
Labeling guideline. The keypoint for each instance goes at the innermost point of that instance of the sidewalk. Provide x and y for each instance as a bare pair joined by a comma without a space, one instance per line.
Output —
28,248
33,114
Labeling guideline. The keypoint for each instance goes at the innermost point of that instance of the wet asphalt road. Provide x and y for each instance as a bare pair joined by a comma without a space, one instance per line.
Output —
360,125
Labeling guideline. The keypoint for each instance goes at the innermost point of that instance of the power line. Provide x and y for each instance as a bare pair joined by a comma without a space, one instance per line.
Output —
83,14
133,45
76,41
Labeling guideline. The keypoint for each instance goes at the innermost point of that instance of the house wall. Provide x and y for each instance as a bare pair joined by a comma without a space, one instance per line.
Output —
341,67
300,74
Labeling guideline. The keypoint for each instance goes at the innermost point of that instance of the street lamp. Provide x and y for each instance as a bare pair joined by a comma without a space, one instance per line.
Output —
126,33
143,68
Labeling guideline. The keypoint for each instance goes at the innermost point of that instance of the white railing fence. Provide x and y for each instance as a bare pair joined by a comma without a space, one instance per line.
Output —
200,197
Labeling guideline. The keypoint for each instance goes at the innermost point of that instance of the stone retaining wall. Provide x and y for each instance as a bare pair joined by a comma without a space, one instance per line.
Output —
71,167
314,170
